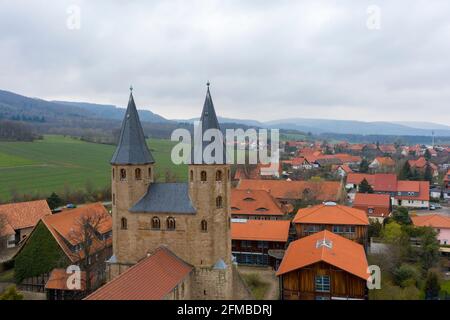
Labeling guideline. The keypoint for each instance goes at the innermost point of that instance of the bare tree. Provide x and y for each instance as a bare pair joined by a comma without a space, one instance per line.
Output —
89,235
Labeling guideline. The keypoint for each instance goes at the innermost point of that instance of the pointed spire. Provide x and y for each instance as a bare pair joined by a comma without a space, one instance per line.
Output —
208,120
132,148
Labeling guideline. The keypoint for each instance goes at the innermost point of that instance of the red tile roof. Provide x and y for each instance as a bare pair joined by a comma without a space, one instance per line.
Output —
432,220
65,227
282,189
422,186
421,164
261,230
372,199
331,214
150,279
378,203
343,254
386,182
24,214
385,161
58,280
254,202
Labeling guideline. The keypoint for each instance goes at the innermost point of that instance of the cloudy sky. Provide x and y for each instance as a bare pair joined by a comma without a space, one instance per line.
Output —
265,59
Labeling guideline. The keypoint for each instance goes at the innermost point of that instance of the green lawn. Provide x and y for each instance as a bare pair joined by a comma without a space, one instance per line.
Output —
48,165
258,286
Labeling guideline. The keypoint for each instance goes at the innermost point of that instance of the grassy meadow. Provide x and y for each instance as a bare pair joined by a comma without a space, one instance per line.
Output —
50,164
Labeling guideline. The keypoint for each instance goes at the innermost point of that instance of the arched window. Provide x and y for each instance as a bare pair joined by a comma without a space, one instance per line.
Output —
123,174
203,176
219,202
149,173
218,175
191,176
124,224
138,174
113,173
170,223
204,226
156,224
114,199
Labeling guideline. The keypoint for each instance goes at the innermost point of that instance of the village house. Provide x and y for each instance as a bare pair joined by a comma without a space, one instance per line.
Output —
377,206
258,171
323,266
259,242
348,222
58,240
17,220
290,191
410,194
382,164
56,287
341,170
421,164
255,204
440,223
388,149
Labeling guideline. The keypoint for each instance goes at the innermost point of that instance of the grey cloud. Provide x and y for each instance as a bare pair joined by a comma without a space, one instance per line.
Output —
265,59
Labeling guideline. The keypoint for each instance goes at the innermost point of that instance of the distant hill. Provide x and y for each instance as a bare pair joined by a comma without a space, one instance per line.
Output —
76,117
106,111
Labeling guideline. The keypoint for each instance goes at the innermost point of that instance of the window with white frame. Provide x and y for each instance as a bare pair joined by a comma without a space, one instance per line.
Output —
322,283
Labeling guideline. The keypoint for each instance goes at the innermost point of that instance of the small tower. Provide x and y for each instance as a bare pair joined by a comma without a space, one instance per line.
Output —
131,175
209,190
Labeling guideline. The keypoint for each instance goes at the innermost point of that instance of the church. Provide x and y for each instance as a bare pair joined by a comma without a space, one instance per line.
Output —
170,240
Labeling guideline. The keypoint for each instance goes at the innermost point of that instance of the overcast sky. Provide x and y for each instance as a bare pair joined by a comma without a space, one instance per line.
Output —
265,59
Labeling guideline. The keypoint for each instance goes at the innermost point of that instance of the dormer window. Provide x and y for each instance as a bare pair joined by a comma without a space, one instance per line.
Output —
262,209
249,199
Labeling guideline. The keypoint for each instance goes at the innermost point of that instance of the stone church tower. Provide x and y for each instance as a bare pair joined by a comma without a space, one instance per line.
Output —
192,219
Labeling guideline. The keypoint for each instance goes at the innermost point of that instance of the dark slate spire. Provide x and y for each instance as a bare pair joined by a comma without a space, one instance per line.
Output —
132,148
208,120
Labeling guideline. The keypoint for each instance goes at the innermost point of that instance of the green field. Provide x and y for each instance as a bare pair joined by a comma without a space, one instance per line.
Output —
48,165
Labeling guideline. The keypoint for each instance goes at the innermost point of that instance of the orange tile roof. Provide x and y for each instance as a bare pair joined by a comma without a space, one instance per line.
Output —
5,228
261,230
356,178
380,181
254,202
331,214
282,189
343,254
63,226
385,161
423,188
150,279
25,214
58,280
421,163
372,199
432,220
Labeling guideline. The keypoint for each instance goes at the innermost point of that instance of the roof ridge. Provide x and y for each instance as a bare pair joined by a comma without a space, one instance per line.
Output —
351,213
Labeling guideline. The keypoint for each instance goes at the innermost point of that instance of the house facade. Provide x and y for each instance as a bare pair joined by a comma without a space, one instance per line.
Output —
17,220
323,266
440,223
345,221
259,242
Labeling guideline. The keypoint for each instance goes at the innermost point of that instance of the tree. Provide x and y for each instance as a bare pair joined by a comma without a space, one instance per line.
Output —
365,187
428,174
406,275
54,201
427,155
86,233
11,294
405,172
393,233
432,286
401,216
375,228
364,166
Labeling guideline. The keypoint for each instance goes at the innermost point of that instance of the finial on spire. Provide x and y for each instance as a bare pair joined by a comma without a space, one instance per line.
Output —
208,83
131,89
